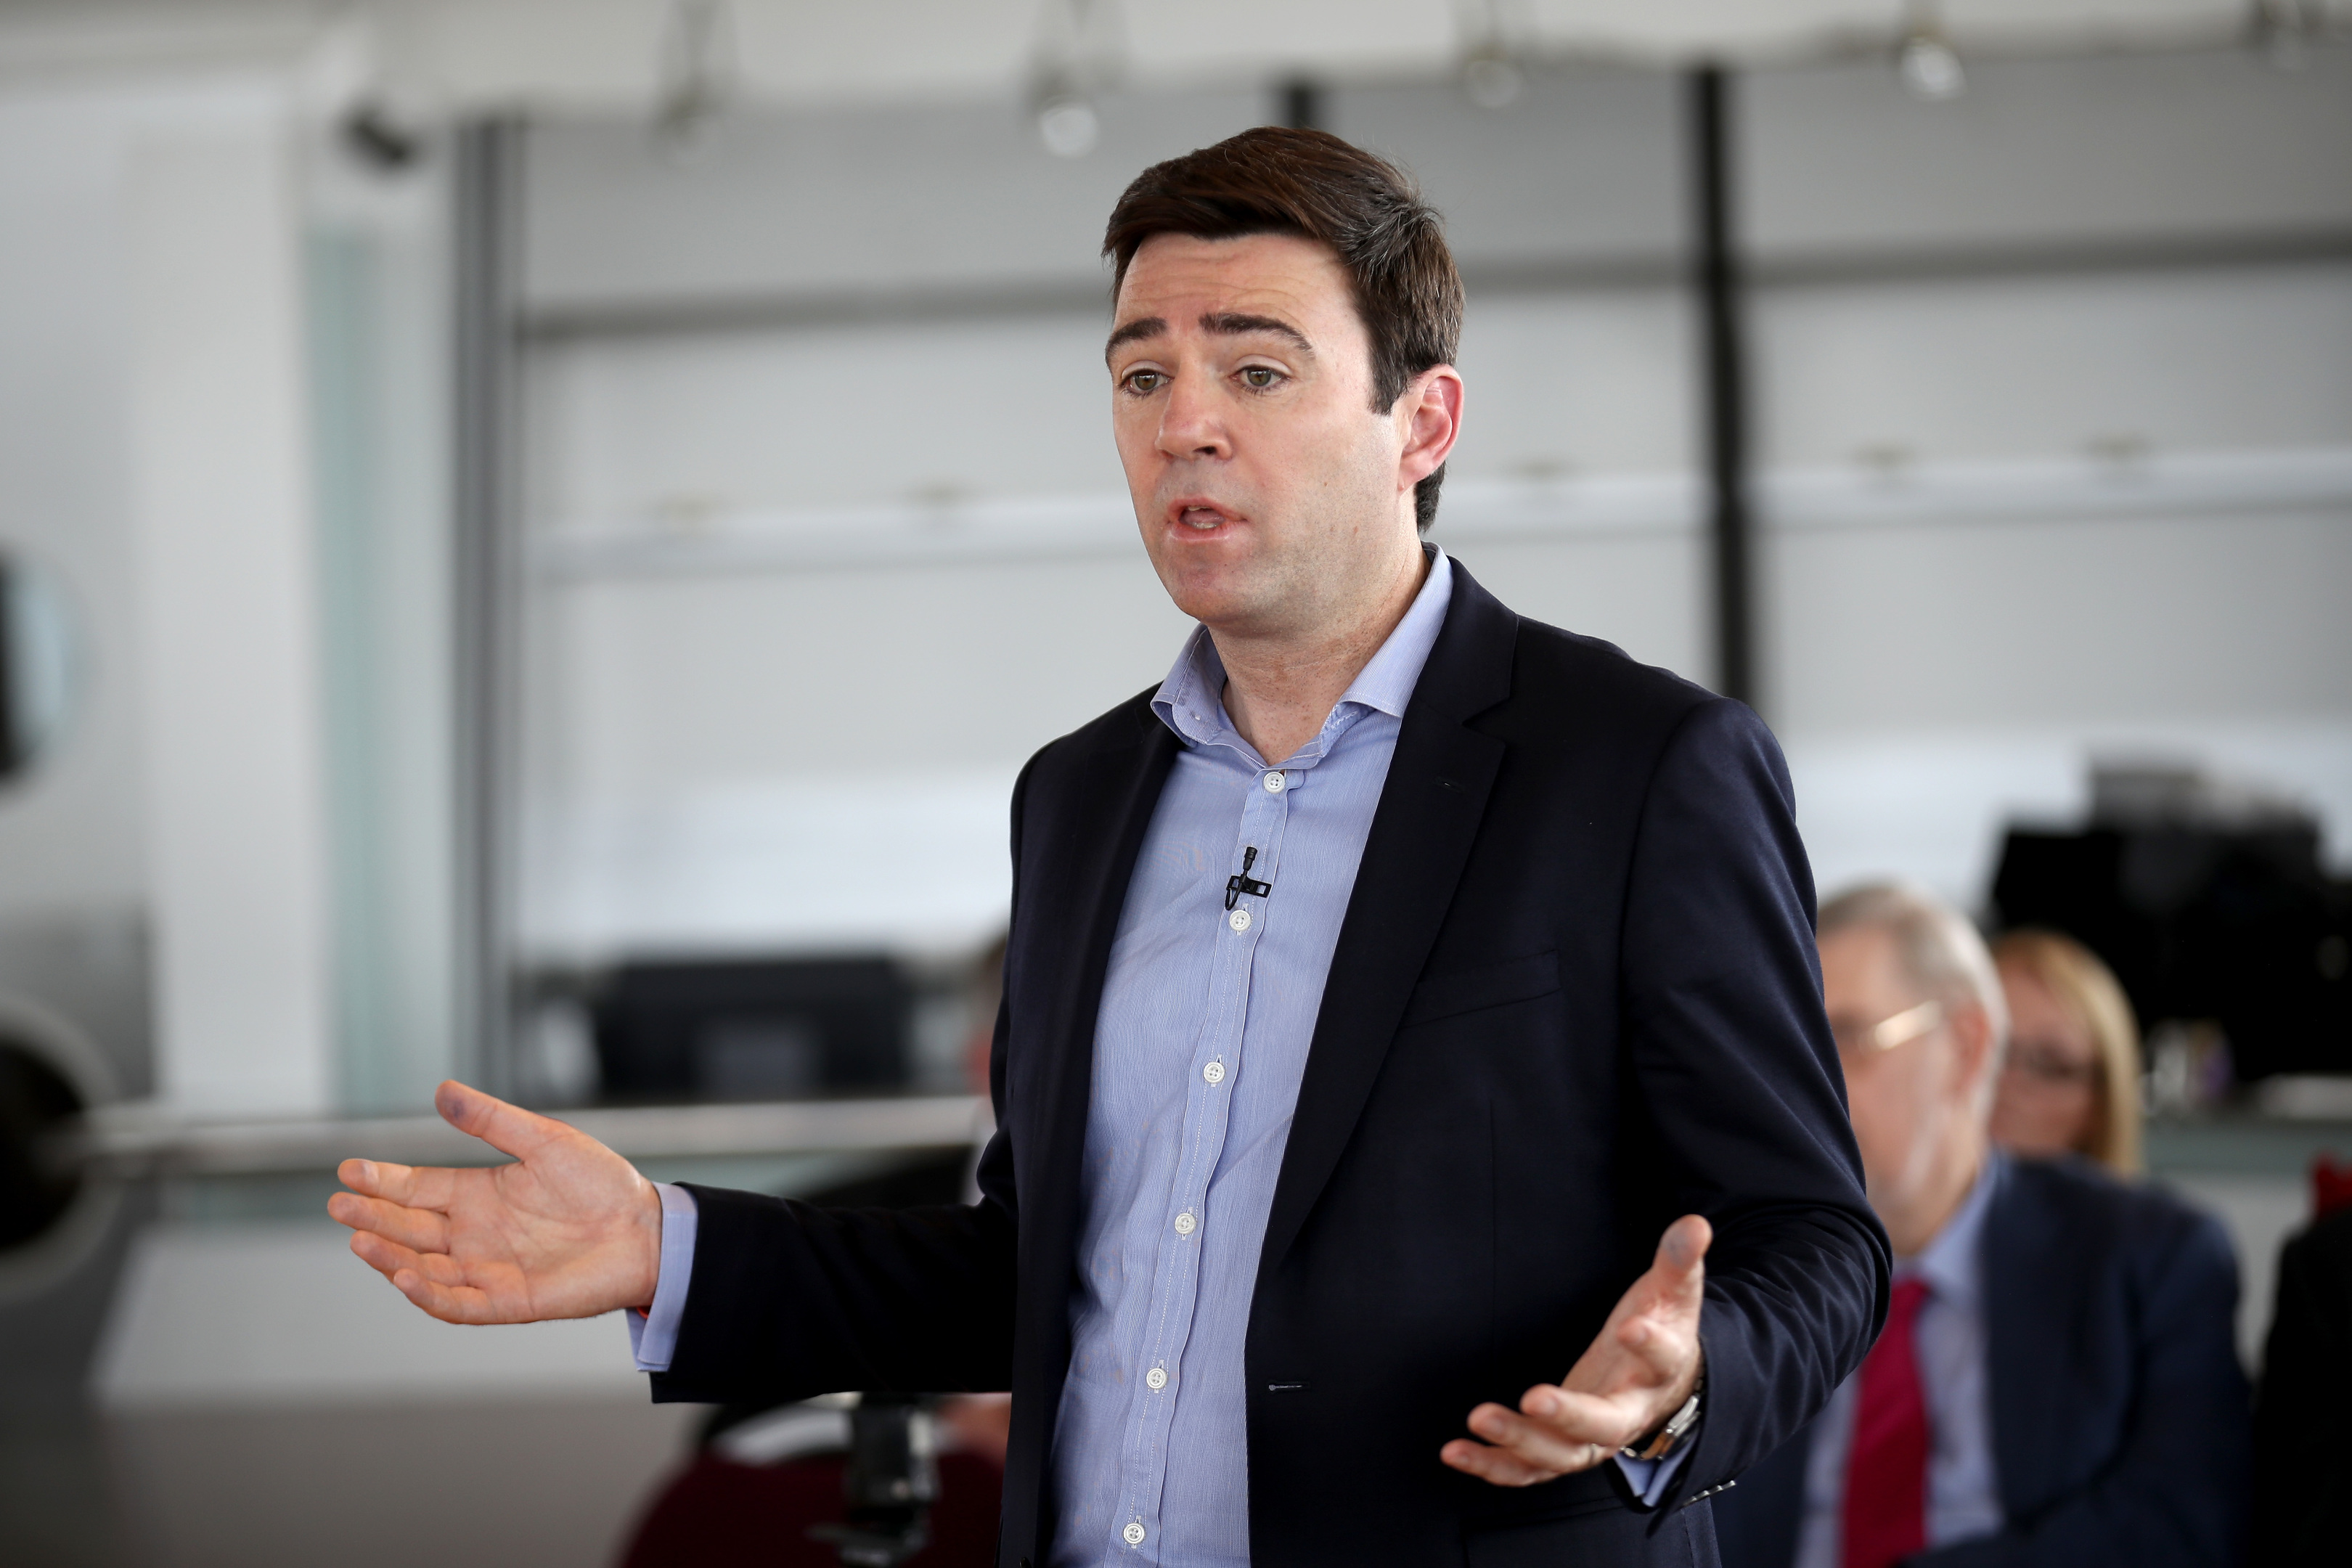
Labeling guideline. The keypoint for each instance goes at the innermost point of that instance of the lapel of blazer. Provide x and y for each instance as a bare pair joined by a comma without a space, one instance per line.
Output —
1422,834
1099,837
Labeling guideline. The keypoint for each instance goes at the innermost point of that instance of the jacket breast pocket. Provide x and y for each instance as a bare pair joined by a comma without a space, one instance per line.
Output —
1454,992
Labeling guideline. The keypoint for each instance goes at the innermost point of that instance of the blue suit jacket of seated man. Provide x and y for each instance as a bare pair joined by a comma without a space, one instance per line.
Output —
2119,1414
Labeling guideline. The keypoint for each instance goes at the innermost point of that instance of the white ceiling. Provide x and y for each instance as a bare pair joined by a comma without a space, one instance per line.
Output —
607,53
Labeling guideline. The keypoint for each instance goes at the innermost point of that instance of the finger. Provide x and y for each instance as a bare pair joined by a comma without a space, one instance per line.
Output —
1680,1267
1658,1347
1497,1467
1536,1444
1574,1416
419,1228
508,1129
434,1280
386,1257
450,1303
415,1186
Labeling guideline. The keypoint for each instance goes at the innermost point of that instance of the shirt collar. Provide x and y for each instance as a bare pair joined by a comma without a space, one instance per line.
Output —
1949,1262
1190,701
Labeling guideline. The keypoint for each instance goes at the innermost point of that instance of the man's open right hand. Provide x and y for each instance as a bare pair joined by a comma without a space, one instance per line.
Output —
570,1231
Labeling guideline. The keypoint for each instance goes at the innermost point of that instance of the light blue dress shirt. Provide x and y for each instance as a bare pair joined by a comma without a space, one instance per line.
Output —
1948,1339
1209,1005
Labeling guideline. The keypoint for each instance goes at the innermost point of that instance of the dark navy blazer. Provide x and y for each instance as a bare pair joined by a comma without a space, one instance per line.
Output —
1575,995
2120,1426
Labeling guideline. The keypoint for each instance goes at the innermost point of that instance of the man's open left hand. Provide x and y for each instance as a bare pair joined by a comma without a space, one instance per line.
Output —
1638,1372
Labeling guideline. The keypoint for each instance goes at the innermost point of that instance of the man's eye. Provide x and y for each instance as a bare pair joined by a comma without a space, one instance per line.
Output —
1144,380
1258,377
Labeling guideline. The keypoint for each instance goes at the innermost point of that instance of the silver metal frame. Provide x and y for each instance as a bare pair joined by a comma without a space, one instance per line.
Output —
489,590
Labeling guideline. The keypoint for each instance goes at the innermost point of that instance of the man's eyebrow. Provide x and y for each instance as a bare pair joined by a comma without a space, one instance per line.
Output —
1142,327
1229,324
1222,324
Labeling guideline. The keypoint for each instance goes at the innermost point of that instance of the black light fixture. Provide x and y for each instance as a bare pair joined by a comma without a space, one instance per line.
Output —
378,136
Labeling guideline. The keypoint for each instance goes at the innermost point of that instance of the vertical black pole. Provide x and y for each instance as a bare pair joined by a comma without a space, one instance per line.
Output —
15,749
1724,376
488,174
1302,105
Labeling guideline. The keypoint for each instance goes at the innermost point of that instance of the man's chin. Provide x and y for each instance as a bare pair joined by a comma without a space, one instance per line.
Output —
1212,587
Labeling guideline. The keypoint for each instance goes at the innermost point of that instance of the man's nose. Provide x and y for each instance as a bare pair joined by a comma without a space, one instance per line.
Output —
1192,424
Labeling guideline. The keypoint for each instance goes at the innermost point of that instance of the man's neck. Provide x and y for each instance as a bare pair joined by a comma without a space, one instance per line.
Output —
1913,1223
1280,688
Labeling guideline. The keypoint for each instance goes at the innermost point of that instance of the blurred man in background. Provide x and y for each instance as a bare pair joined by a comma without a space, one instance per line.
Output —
2303,1443
2056,1383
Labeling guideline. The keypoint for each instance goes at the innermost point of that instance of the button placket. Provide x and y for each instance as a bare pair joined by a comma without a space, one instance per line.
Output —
1176,1271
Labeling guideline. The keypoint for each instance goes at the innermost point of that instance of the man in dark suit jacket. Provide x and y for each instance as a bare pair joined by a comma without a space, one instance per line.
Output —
2303,1445
1342,1099
2081,1399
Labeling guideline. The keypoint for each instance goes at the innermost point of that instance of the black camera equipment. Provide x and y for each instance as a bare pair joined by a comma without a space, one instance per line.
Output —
891,1481
2205,909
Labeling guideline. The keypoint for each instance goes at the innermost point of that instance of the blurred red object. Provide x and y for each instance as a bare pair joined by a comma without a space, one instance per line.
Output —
2331,1186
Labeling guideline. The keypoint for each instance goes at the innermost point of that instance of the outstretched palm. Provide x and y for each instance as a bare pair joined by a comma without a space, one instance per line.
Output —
1640,1367
570,1231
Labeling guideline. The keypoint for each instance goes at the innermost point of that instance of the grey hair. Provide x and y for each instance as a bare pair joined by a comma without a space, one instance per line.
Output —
1939,949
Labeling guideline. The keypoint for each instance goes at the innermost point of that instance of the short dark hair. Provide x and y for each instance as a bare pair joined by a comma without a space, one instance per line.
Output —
1278,180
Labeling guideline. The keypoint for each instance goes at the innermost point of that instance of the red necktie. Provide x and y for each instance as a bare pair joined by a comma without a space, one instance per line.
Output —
1887,1471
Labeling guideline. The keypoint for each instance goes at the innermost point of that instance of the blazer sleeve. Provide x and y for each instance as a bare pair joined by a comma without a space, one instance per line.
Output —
788,1300
1735,1072
2175,1494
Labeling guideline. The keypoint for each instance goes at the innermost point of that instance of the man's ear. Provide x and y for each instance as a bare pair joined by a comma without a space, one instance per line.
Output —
1430,411
1971,1028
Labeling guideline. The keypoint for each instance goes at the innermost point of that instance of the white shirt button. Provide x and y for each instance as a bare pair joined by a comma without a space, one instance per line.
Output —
1133,1533
1275,781
1156,1379
1186,1224
1238,920
1214,1073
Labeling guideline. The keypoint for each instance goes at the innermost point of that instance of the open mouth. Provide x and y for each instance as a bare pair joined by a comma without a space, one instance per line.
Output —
1198,516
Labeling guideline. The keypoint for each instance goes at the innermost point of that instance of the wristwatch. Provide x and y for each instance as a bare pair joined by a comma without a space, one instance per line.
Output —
1662,1441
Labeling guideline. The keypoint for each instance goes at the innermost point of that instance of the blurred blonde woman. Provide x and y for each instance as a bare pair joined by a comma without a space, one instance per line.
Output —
2071,1085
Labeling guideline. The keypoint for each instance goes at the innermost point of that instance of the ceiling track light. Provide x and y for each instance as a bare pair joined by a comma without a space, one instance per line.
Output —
1493,70
2282,31
1079,52
697,77
1924,60
380,136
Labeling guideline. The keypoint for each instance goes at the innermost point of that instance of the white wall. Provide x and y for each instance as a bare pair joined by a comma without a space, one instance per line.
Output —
228,582
157,449
2166,571
2026,496
72,834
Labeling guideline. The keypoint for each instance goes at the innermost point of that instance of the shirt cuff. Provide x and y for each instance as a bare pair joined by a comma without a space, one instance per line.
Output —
1651,1478
652,1333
